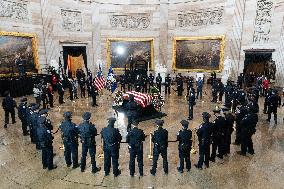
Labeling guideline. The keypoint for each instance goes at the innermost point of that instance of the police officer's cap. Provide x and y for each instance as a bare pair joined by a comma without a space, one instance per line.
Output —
41,119
43,111
35,107
131,97
184,123
159,122
136,123
225,109
206,115
24,100
67,114
86,115
217,111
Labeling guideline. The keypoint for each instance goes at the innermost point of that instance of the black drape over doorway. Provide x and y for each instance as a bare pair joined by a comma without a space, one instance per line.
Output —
74,51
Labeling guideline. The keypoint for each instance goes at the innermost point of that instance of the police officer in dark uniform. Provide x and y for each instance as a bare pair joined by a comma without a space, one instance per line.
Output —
184,138
60,92
159,82
151,80
112,138
135,139
248,129
45,140
82,84
220,90
240,114
168,81
191,103
34,125
274,101
131,113
204,133
218,136
122,82
228,130
94,93
144,84
9,105
88,132
214,91
48,125
22,114
179,81
69,134
267,95
228,94
160,140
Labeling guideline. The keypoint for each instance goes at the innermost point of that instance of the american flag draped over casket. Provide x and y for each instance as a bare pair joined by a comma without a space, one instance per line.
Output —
140,98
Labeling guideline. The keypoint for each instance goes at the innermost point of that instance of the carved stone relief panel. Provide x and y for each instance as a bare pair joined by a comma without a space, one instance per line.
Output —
263,20
71,20
16,10
195,19
133,21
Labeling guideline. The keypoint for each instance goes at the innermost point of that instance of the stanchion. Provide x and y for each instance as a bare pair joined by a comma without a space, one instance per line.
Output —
193,150
150,156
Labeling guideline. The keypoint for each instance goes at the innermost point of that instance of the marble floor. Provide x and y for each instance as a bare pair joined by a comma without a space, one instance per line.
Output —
20,162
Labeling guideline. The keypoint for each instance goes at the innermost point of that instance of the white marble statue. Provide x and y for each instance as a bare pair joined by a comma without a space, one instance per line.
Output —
226,73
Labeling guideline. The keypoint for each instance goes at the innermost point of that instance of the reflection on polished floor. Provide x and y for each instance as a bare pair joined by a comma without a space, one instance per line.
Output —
20,162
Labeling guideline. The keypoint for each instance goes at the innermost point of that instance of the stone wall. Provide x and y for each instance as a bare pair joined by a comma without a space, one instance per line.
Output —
246,24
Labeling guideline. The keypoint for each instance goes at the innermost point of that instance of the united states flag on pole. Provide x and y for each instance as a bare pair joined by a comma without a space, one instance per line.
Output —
100,81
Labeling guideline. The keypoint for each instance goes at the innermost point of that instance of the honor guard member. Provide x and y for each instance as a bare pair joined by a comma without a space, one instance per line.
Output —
230,119
248,129
131,113
34,125
112,138
151,81
60,92
184,138
22,114
160,140
94,93
240,114
122,82
199,86
274,101
191,103
45,140
69,134
235,96
9,105
44,97
144,84
88,132
242,97
159,82
214,91
135,139
204,138
168,81
218,136
82,84
228,94
220,90
29,120
179,81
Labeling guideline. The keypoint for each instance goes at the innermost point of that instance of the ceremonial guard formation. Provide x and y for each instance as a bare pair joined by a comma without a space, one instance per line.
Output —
214,137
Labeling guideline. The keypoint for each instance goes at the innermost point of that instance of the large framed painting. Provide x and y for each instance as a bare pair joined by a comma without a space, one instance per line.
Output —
203,54
121,51
18,49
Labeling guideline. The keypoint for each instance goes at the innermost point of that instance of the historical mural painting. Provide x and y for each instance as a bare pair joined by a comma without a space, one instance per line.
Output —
18,47
122,51
198,53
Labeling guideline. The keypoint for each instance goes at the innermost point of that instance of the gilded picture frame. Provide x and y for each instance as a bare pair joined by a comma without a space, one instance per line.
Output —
220,40
126,40
34,48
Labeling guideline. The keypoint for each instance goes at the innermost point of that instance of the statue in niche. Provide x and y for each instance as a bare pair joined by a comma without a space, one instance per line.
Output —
227,66
271,69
